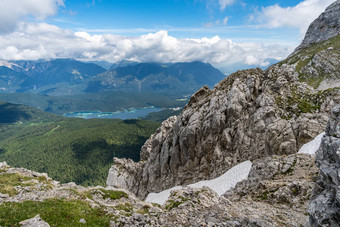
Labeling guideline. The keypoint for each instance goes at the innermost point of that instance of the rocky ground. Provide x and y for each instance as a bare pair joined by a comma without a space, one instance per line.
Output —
276,193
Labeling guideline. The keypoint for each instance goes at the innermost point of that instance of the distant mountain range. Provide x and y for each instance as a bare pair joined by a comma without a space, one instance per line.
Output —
69,77
146,77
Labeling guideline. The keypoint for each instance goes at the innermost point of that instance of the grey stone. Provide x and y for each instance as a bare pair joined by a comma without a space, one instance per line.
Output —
326,26
82,220
34,222
324,209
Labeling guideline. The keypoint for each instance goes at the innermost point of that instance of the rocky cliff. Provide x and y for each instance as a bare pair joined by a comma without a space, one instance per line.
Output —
326,26
317,59
248,115
324,208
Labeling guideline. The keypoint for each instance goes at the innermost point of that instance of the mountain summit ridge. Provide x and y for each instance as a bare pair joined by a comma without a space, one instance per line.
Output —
326,26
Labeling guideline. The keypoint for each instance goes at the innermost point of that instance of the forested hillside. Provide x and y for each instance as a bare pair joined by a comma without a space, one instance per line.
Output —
68,149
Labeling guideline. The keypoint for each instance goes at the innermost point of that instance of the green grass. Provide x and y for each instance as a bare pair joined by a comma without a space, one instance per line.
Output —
56,212
111,194
297,103
175,203
8,181
127,207
305,55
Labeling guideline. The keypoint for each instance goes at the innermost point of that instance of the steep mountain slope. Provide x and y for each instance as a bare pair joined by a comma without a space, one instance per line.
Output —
326,26
248,115
317,59
10,79
13,113
318,64
177,77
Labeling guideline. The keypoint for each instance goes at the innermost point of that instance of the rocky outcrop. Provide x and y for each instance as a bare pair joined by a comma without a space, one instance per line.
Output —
324,208
249,115
326,26
318,64
275,194
317,59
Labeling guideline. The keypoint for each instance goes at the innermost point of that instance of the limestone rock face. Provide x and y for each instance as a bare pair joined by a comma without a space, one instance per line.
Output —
326,26
324,209
276,192
317,59
248,115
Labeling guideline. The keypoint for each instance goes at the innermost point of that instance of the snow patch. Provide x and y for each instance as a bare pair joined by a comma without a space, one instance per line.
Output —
220,185
75,72
312,146
8,64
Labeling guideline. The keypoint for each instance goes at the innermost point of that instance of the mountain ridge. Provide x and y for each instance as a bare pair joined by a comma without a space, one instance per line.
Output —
69,77
248,115
184,77
326,26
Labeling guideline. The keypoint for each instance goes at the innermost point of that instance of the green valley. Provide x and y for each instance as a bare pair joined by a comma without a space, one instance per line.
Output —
68,149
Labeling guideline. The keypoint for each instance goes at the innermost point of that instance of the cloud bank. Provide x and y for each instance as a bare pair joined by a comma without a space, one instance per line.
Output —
44,41
13,11
22,38
299,16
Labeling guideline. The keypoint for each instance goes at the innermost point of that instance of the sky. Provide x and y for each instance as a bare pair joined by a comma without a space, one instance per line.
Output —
225,33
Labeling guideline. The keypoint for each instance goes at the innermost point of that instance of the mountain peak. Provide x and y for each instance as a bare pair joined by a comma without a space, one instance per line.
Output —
326,26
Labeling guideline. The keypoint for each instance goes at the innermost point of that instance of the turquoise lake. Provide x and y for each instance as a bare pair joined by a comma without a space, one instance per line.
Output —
132,113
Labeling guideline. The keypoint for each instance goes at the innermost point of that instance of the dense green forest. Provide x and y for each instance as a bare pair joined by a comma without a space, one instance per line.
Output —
68,149
161,115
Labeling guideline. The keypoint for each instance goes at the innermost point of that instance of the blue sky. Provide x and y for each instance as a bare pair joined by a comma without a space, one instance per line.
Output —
181,18
226,33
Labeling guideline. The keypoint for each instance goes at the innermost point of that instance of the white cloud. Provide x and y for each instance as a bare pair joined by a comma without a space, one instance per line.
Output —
224,3
13,11
251,60
299,16
33,41
225,20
